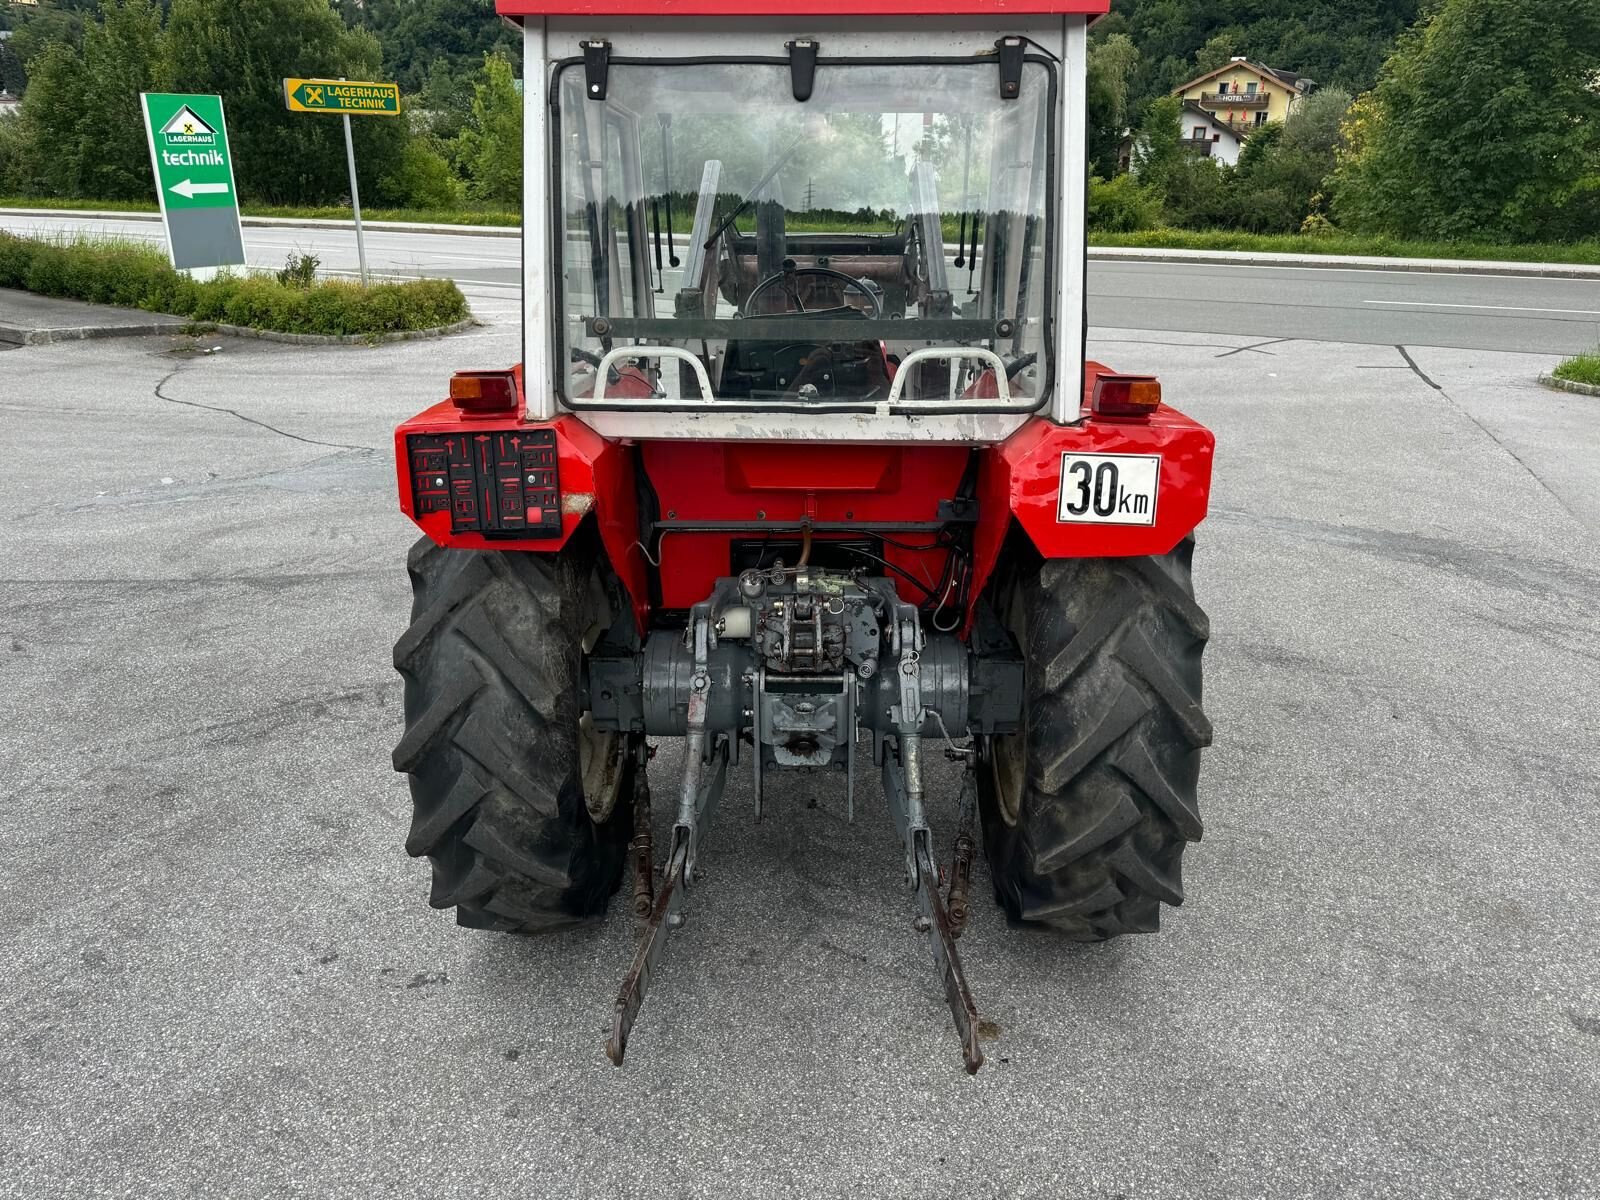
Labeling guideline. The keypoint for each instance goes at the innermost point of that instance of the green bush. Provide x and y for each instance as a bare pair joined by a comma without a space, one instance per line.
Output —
133,276
1121,205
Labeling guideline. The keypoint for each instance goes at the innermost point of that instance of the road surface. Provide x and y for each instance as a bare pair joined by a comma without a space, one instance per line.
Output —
1327,304
222,977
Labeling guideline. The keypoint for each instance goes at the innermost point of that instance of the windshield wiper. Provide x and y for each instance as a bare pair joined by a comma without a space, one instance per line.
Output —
749,197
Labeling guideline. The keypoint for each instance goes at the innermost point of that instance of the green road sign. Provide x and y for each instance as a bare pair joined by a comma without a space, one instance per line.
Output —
194,179
350,97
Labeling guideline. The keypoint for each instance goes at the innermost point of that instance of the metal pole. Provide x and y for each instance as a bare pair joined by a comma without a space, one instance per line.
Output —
355,198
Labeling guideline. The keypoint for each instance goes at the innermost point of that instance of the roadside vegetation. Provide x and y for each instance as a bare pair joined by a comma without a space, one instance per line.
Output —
1468,126
457,144
287,301
1585,368
506,217
1481,125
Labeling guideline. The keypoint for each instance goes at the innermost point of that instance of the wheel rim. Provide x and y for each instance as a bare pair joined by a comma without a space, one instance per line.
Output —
602,762
602,754
1007,769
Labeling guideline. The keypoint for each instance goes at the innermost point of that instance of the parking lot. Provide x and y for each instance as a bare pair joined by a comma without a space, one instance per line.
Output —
222,978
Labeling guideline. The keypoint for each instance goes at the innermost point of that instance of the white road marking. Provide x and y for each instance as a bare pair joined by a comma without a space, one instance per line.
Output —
1576,312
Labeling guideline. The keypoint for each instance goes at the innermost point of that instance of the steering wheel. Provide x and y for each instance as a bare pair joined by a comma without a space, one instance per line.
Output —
850,284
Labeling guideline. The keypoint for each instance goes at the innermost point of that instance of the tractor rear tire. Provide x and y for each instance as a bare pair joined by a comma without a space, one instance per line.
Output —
524,810
1087,811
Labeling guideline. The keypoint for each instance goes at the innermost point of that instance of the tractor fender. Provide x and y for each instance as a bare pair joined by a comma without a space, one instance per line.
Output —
1021,481
596,480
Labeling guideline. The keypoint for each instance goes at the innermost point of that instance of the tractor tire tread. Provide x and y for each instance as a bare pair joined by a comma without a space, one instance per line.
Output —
490,662
1111,753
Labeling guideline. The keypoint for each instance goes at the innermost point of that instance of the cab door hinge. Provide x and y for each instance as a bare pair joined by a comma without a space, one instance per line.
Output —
1011,50
596,68
802,67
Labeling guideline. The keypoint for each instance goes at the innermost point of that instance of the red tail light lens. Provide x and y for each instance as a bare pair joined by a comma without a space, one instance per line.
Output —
1126,395
484,391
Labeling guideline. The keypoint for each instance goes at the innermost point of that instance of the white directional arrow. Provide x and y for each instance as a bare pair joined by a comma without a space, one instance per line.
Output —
189,189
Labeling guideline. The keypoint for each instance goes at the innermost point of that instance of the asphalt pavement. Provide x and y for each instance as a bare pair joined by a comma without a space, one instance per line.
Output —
1485,311
222,978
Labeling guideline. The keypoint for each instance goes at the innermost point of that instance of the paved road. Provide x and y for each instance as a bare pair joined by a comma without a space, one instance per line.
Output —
1485,312
222,979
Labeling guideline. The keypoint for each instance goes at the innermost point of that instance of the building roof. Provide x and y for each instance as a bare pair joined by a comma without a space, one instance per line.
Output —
798,8
1286,79
1211,118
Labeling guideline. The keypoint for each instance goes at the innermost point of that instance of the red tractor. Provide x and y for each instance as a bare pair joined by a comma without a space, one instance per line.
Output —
804,464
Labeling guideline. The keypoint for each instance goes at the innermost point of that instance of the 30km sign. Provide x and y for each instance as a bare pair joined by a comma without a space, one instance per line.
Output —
342,96
194,179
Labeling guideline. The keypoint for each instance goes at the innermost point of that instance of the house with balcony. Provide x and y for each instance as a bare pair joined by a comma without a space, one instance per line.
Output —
1209,136
1241,96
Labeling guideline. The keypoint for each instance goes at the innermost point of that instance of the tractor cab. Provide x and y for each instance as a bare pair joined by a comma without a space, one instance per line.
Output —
805,466
799,231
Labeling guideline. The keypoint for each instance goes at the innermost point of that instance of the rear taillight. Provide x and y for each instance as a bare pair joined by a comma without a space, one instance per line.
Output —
1126,395
484,391
500,482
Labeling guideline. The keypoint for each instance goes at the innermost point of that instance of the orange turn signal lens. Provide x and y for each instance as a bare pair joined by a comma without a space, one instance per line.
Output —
484,391
1126,395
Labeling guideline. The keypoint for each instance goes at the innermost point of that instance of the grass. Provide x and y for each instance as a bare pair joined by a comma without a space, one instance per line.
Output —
1583,369
1582,253
135,276
1585,253
467,216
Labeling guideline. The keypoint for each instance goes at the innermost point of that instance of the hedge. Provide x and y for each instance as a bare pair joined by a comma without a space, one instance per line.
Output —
133,276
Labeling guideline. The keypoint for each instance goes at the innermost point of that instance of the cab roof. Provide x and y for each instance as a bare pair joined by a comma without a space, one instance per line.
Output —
798,8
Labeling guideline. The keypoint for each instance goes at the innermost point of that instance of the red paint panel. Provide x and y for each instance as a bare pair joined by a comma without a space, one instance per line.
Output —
595,476
765,466
1030,460
767,482
797,8
1021,478
781,484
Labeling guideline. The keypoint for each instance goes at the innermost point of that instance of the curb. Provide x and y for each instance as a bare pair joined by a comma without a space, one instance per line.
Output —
9,335
348,339
1570,385
12,336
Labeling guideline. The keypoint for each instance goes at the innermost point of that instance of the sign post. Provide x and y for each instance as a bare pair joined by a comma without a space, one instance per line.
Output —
194,181
355,198
345,97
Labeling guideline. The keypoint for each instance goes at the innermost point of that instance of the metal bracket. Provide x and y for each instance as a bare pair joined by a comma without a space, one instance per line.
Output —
596,68
667,914
802,67
705,772
1012,50
933,919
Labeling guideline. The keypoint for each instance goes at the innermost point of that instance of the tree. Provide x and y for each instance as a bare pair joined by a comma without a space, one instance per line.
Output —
243,50
13,76
1485,124
1315,124
1112,61
121,58
1158,147
1218,51
489,150
421,36
48,156
35,30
